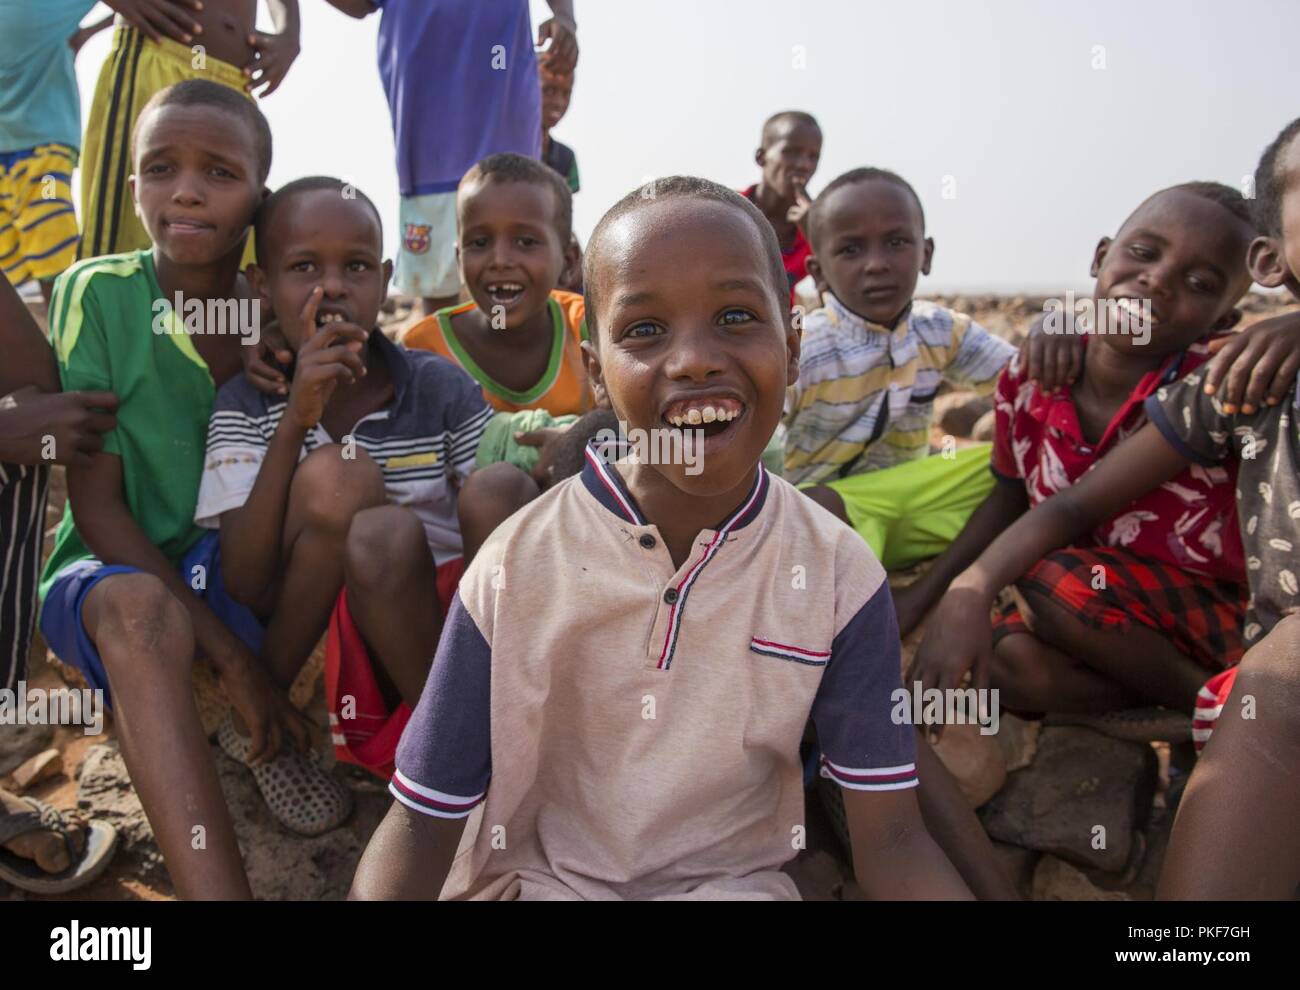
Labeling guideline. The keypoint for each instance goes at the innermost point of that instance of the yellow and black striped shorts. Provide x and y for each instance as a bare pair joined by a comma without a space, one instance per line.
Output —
134,71
38,223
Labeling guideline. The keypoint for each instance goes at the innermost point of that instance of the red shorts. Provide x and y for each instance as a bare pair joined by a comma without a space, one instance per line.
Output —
1205,619
368,736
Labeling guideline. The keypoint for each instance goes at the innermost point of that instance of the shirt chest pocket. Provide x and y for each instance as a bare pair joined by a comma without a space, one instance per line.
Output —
781,649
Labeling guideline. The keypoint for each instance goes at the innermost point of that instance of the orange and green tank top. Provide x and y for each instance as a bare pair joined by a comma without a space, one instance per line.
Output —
562,389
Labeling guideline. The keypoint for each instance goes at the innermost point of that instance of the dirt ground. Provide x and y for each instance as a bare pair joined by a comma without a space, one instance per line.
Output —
821,870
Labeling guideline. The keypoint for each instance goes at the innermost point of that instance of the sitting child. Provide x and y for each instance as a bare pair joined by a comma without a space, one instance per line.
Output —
587,708
858,422
788,154
337,505
1154,599
133,588
520,337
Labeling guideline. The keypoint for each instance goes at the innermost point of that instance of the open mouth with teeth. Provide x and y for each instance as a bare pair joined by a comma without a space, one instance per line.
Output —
713,416
504,293
325,318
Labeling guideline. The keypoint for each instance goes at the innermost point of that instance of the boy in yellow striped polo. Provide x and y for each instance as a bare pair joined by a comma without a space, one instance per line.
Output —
214,41
858,421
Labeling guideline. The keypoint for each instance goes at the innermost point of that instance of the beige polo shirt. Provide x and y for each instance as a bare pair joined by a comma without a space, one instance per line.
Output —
618,727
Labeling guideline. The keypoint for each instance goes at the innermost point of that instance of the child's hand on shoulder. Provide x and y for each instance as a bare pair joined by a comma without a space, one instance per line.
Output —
54,427
328,356
1053,360
1257,366
258,360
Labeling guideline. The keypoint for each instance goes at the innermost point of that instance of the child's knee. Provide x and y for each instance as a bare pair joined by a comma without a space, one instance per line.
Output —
1017,666
330,488
385,546
1051,623
1272,666
493,493
138,621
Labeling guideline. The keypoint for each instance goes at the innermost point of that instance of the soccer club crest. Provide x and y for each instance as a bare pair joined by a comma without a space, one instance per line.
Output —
416,237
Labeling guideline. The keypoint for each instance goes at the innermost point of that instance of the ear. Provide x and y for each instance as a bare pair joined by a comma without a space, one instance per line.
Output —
1267,263
1099,255
793,343
819,277
1228,320
572,261
928,256
595,373
387,270
760,157
257,279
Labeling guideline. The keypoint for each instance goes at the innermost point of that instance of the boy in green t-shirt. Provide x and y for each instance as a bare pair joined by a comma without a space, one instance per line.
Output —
133,588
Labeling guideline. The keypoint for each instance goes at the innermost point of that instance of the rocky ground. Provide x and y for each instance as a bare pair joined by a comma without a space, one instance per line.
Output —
1075,815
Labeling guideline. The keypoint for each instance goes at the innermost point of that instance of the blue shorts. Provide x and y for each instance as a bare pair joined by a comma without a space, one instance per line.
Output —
65,633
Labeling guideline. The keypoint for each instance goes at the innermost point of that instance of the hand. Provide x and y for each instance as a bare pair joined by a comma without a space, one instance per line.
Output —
563,54
159,19
329,355
958,639
265,709
1051,359
275,53
74,421
797,213
271,346
544,438
1257,366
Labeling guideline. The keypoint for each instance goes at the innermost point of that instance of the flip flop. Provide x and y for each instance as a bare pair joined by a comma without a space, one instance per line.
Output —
302,797
100,842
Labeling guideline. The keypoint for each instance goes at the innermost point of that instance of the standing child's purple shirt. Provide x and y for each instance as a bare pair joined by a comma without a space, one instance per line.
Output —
461,80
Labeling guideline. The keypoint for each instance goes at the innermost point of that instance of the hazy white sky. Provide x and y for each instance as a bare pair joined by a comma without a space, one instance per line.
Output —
1053,119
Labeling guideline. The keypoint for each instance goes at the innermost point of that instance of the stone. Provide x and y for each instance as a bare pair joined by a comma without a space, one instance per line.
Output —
974,760
1081,799
958,412
44,765
280,864
1018,738
1057,880
19,743
984,428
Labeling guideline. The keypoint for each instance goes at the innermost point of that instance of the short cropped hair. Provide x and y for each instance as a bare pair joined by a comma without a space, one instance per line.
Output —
205,93
853,178
506,166
1269,179
680,187
312,183
1216,192
772,127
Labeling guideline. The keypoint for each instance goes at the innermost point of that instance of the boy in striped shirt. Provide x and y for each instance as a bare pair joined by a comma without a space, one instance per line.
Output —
625,675
337,503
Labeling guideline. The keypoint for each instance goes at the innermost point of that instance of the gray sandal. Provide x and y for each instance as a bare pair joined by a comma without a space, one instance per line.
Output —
302,797
93,849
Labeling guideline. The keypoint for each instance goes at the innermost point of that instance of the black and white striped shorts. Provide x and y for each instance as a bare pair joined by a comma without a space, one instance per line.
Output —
23,488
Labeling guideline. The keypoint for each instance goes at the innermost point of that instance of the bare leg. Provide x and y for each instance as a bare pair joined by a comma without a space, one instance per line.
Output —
489,497
431,304
328,490
1033,677
393,596
1137,658
1234,837
145,639
956,830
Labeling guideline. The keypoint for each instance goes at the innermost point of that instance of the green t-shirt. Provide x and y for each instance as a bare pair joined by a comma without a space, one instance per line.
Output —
105,332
